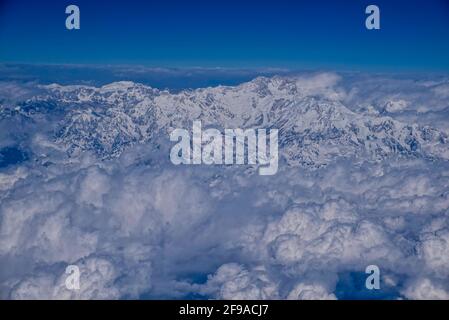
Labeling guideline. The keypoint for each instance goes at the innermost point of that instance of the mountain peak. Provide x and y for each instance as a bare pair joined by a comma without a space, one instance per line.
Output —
314,124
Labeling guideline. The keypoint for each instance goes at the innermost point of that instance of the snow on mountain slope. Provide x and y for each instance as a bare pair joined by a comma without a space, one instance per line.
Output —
314,124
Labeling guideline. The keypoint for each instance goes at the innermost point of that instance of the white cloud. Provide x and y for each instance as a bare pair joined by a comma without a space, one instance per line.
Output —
396,105
233,281
96,282
310,292
424,289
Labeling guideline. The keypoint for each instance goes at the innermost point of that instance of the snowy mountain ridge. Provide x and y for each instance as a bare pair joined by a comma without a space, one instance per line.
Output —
314,124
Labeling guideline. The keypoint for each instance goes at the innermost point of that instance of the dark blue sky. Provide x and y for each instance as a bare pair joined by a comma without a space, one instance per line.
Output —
414,34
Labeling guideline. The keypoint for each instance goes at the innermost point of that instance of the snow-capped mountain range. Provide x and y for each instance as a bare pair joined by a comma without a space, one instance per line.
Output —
314,124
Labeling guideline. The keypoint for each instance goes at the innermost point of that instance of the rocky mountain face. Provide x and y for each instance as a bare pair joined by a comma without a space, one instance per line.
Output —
314,124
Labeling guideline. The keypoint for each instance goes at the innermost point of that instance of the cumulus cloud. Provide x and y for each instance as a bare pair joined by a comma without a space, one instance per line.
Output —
310,292
98,276
424,289
233,281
